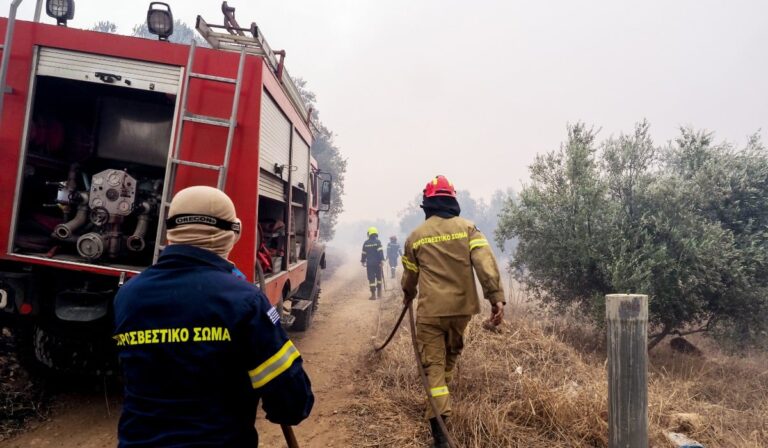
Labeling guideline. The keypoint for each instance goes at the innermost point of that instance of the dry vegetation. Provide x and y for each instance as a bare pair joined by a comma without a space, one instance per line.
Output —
542,383
20,398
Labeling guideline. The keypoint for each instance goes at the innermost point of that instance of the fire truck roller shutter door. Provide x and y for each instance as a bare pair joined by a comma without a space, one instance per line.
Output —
102,69
301,162
274,148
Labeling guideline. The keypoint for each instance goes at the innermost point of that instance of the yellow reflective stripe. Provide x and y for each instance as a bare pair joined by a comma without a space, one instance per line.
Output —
274,366
479,242
439,391
409,265
439,239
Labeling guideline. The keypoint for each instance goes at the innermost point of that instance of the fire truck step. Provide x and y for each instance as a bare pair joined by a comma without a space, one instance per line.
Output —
215,121
301,305
197,164
213,78
286,320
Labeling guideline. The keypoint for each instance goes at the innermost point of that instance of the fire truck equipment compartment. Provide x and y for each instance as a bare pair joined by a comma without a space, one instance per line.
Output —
93,171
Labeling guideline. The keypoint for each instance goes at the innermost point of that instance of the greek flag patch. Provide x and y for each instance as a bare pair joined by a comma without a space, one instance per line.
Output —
274,316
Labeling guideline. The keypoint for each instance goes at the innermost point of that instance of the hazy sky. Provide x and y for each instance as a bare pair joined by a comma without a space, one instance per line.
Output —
474,89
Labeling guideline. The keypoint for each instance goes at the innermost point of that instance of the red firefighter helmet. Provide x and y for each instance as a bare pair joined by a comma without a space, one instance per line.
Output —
439,186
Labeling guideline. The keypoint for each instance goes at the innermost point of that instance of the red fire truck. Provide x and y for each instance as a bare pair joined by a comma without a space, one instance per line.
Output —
98,131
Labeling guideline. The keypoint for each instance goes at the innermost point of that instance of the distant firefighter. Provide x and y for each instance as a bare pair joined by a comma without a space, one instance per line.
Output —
394,252
372,258
441,259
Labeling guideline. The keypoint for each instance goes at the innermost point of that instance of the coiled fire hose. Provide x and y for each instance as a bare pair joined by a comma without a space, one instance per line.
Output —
424,382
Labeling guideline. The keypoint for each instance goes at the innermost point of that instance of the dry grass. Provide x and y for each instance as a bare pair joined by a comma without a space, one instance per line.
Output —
20,397
528,386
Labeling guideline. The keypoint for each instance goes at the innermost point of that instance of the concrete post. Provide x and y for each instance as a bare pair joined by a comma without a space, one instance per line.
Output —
627,318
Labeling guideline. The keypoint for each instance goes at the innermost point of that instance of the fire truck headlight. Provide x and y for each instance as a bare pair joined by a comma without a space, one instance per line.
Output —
160,21
61,10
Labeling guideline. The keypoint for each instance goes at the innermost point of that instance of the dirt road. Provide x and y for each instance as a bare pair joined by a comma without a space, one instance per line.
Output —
340,332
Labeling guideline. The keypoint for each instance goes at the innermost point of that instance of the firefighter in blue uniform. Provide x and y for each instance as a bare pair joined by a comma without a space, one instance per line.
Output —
372,258
199,346
394,252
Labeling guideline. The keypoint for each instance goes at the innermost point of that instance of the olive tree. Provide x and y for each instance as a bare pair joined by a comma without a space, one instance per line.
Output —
683,223
558,220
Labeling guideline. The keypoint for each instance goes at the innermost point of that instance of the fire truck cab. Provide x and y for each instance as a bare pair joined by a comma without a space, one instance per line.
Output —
98,131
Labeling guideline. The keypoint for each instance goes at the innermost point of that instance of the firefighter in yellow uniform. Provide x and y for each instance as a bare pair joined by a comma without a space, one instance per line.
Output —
441,258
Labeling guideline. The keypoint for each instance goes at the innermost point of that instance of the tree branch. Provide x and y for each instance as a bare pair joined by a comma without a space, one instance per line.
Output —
700,330
654,340
703,329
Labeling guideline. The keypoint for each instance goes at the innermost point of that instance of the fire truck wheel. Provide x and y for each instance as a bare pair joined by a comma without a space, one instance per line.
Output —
60,353
22,347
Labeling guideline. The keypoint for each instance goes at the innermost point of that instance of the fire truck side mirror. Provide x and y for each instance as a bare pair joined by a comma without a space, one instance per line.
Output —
325,196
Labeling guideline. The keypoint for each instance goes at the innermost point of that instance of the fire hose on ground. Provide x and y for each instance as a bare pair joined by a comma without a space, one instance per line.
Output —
424,382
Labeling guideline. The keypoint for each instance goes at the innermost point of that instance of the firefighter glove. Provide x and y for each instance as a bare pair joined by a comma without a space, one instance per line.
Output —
497,313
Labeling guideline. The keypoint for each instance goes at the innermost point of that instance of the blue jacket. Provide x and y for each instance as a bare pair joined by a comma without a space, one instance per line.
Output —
373,252
393,252
198,348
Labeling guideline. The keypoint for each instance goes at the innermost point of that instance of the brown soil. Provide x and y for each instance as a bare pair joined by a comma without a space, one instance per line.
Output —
340,333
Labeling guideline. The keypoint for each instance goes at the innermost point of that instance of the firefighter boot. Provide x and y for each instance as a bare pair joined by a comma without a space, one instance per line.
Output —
393,272
373,293
440,439
379,292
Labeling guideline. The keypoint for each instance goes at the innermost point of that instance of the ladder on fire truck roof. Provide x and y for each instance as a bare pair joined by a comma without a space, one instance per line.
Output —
175,161
235,38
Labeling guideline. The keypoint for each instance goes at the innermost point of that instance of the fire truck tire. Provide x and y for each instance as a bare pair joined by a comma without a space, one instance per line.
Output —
22,347
60,353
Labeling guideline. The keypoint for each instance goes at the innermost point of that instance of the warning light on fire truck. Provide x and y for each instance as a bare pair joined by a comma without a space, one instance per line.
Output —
61,10
160,21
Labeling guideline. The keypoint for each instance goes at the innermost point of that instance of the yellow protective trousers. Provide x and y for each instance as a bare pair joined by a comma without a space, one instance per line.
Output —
440,341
